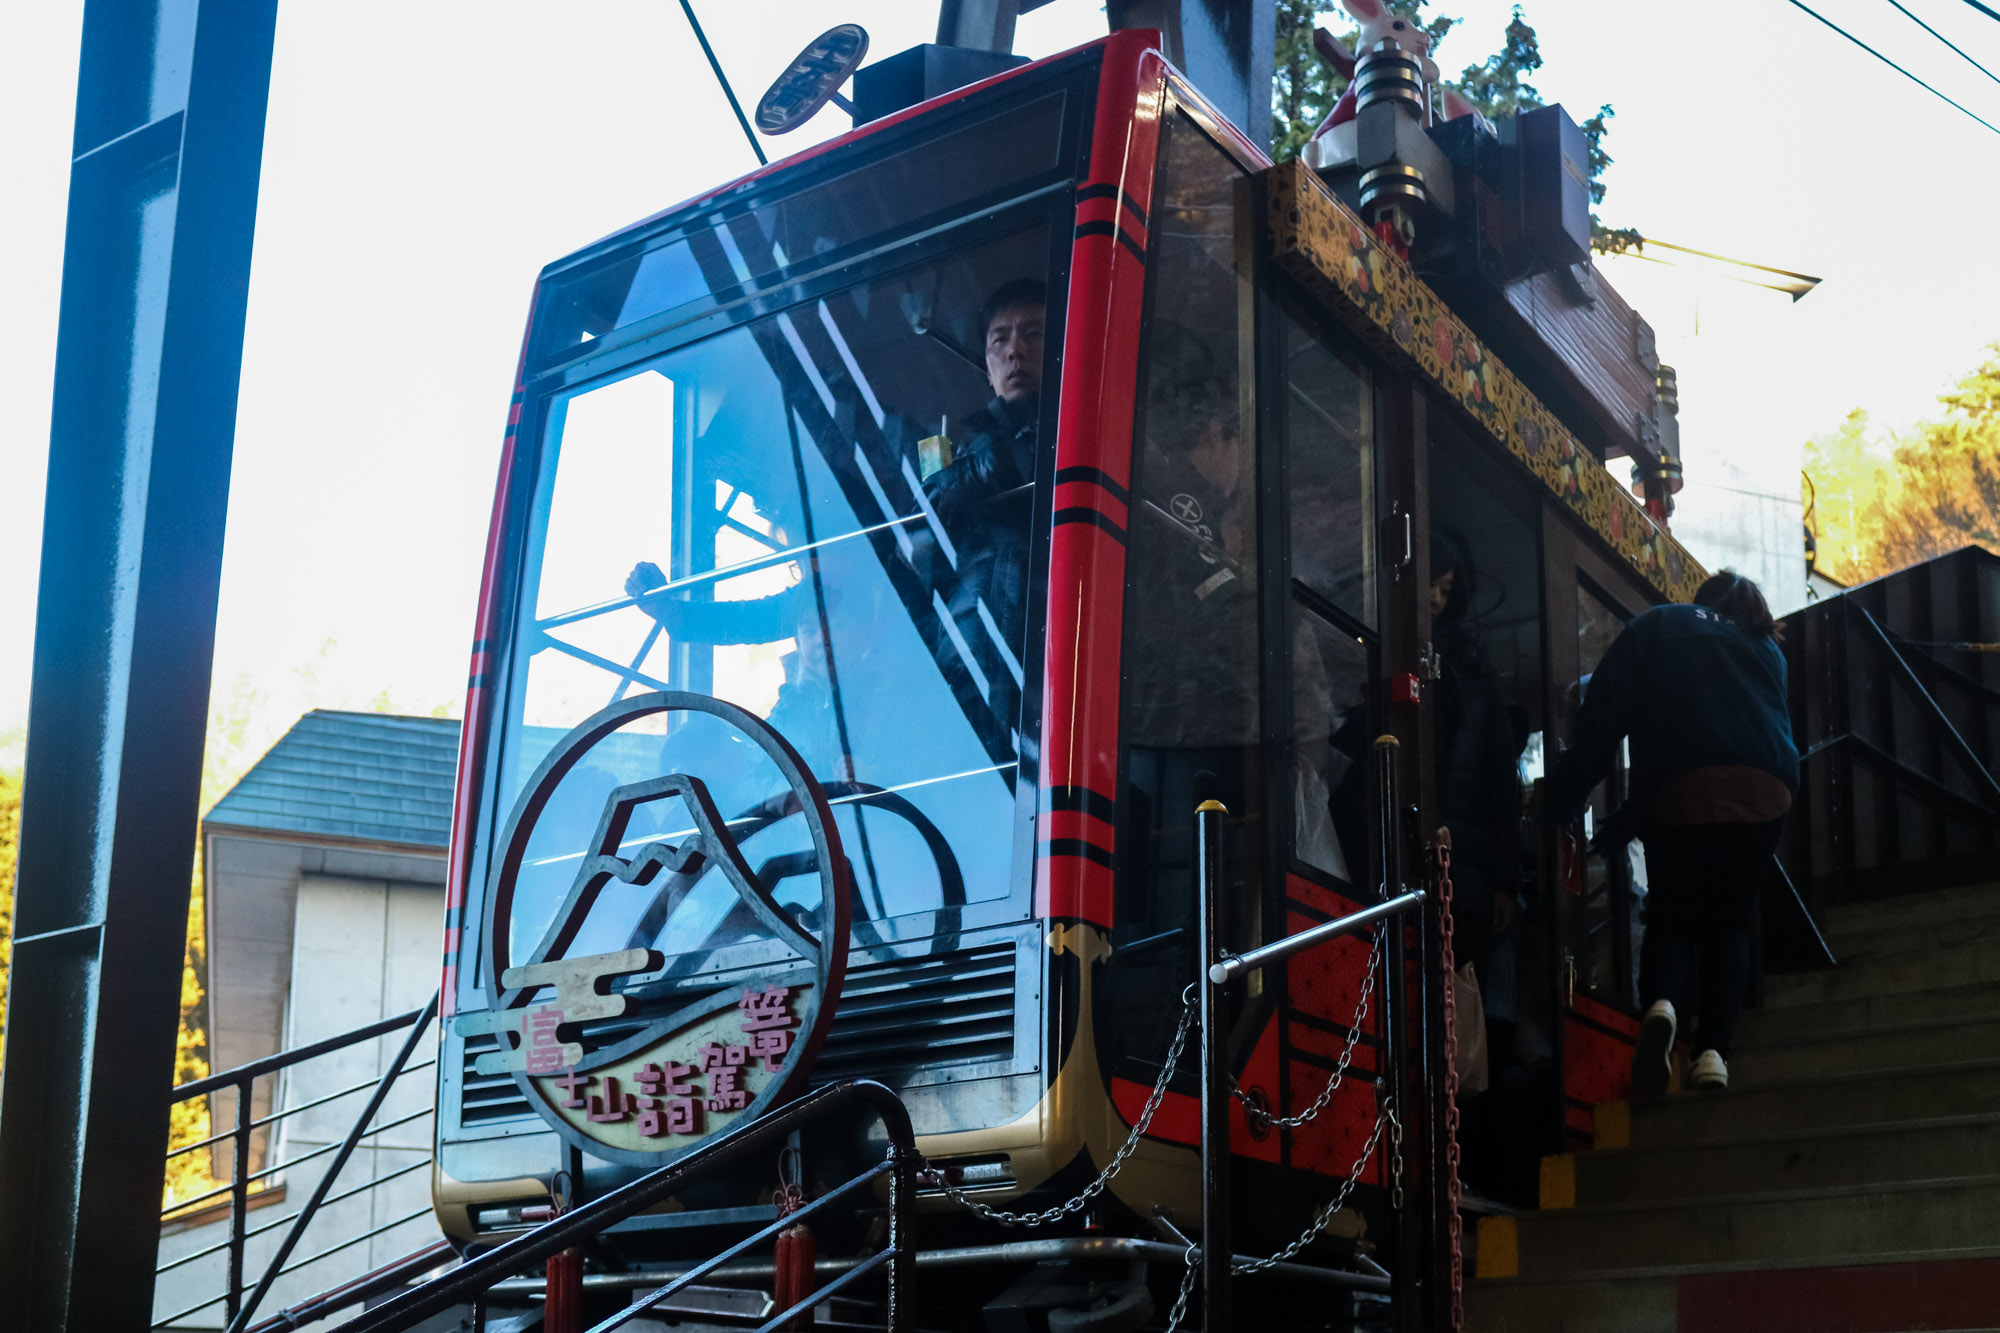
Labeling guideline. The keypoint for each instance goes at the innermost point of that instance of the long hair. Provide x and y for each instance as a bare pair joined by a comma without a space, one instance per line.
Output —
1740,602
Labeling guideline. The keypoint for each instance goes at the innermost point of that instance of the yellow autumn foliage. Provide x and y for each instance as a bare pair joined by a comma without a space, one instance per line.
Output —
1878,502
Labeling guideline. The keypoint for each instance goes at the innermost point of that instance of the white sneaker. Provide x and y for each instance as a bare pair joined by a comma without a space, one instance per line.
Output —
1652,1061
1710,1073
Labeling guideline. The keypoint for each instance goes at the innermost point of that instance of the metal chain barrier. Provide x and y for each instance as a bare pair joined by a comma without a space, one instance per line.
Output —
1096,1187
1454,1224
1305,1117
1385,1119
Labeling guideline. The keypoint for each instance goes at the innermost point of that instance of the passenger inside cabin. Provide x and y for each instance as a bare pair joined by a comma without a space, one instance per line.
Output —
983,496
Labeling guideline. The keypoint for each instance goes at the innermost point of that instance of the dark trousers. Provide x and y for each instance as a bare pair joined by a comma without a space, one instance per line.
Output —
1701,897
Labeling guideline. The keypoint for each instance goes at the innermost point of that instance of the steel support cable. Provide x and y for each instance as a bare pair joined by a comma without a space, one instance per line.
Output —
1947,41
1801,5
723,79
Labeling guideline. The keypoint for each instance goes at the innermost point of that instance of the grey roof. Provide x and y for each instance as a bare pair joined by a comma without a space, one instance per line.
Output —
369,776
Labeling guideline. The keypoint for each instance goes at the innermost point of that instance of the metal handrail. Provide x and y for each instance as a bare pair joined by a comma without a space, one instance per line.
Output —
241,1080
271,1064
1234,965
276,1116
290,1162
725,1150
395,1273
241,1318
1965,751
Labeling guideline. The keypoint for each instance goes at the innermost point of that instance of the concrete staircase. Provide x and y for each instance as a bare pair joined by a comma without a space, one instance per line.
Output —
1848,1181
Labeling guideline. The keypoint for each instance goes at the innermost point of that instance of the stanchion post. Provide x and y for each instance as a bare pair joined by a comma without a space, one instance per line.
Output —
1407,1292
1215,1242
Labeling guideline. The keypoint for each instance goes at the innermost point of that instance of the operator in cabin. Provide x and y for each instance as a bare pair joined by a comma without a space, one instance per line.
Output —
984,495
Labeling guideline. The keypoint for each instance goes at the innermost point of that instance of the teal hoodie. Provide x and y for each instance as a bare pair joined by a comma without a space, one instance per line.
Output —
1692,690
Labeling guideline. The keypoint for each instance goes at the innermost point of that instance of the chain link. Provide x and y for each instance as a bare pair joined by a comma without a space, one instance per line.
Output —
1189,1006
1455,1224
1192,1258
1395,1158
1385,1119
1325,1215
1263,1117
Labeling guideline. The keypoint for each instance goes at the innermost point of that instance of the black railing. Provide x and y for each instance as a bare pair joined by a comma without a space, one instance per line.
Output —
1219,969
1896,710
470,1282
242,1186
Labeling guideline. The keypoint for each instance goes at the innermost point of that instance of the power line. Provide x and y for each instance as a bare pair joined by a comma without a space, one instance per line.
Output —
1948,42
728,91
1798,4
1989,13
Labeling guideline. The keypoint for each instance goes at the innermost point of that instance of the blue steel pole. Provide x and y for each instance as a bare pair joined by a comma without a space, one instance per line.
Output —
171,97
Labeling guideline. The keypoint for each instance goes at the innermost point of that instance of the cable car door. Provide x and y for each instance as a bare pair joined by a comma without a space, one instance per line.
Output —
1593,875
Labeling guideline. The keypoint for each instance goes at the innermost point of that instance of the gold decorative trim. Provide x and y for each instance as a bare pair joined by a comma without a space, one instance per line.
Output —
1332,253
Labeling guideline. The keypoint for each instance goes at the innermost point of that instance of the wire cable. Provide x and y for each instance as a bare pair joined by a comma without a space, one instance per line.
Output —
723,79
1989,13
1947,41
1799,4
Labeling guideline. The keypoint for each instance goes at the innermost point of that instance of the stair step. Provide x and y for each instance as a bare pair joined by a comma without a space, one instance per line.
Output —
1869,941
1764,1026
1853,1156
1876,1097
1956,1290
1793,1226
1930,908
1889,974
1904,1045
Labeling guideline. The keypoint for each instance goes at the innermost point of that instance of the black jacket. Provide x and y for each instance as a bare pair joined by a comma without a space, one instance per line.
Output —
985,500
1692,690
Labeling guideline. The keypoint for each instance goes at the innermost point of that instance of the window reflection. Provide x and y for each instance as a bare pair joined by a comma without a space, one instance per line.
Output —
1192,724
762,517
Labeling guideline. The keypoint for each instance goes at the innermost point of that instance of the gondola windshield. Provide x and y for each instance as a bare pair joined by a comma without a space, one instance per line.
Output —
756,517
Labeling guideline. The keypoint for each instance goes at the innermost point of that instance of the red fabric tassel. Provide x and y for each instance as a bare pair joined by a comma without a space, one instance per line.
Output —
562,1307
794,1277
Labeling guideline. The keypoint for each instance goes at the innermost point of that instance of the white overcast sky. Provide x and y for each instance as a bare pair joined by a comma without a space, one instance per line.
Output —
424,159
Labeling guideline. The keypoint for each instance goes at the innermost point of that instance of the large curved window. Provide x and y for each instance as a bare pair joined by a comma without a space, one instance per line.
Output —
823,517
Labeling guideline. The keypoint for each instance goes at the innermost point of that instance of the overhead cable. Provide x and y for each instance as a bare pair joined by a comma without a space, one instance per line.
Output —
1798,4
1989,13
723,79
1948,42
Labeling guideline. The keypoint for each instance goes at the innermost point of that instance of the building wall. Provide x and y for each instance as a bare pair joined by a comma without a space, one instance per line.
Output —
361,949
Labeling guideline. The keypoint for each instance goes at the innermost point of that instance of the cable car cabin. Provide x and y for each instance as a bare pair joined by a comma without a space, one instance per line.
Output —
891,550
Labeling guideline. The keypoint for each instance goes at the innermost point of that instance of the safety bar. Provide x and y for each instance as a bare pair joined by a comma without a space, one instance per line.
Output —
720,1153
396,1273
1235,965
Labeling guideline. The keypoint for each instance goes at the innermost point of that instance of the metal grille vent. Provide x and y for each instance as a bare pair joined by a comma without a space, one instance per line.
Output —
922,1013
895,1017
488,1097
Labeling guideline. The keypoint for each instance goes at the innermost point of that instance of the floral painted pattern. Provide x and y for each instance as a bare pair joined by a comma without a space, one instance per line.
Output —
1333,255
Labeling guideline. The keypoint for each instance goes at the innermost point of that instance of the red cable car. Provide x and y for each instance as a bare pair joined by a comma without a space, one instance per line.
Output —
891,549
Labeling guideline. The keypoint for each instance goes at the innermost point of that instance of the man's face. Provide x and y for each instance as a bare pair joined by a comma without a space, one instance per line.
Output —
1014,351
